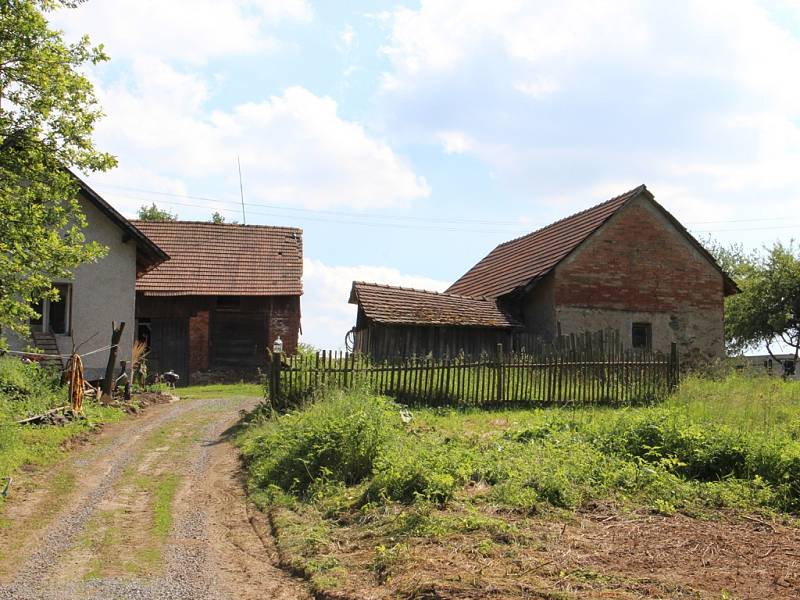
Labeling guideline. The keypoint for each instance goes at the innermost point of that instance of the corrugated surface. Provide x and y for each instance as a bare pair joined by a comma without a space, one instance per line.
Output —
224,260
388,304
517,262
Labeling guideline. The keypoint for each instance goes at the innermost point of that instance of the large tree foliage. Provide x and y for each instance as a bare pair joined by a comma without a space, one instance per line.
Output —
767,311
47,113
154,213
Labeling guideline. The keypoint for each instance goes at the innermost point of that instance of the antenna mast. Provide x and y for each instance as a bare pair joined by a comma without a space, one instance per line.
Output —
241,189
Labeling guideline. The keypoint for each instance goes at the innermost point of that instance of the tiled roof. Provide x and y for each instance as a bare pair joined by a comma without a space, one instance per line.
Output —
517,262
210,259
398,305
148,254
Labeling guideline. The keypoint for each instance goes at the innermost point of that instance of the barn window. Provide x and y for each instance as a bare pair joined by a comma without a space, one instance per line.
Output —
642,335
228,302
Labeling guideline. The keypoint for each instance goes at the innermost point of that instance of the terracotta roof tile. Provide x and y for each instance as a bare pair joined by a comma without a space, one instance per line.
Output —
210,259
517,262
398,305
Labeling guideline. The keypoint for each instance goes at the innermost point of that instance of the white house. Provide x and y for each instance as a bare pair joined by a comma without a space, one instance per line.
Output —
99,293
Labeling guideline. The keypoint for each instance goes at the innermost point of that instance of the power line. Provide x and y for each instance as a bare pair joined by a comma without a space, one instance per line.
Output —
377,220
342,221
311,210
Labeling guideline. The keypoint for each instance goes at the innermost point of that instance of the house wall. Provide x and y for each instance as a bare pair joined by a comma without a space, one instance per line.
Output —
102,292
217,342
638,267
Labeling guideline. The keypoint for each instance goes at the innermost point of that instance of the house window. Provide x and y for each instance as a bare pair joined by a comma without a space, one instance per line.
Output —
642,335
228,302
54,315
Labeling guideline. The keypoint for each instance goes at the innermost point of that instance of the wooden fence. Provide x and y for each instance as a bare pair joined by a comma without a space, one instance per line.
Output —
563,374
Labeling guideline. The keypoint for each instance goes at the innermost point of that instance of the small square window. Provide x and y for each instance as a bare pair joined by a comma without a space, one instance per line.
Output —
642,336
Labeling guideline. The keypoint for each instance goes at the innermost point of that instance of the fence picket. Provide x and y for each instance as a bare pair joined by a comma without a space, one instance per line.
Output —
584,369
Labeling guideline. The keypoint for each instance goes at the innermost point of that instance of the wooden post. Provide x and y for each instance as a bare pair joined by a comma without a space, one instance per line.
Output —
673,366
116,335
499,355
276,378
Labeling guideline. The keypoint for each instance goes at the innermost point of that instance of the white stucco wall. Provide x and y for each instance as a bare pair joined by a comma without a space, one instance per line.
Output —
103,292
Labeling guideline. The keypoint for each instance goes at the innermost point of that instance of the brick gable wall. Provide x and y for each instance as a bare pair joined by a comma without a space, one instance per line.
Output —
639,268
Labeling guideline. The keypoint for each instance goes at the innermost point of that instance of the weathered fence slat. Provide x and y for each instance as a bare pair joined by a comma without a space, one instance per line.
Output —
584,369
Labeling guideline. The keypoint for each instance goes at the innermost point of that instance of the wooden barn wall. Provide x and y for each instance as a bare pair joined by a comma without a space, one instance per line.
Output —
390,342
216,335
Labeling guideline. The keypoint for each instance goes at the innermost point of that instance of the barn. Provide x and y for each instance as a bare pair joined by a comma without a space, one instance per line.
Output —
397,322
227,292
625,264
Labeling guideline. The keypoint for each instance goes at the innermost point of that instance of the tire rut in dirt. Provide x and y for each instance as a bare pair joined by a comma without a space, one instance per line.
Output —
32,577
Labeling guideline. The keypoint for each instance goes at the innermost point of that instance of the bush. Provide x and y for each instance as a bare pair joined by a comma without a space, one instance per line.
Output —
27,389
337,439
422,468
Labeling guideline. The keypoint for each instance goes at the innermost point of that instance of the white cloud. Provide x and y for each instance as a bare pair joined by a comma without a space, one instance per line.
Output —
538,88
454,142
186,30
327,316
347,38
695,98
294,147
443,34
277,10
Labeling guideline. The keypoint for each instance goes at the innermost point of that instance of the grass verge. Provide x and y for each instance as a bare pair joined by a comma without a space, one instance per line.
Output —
364,503
221,390
26,390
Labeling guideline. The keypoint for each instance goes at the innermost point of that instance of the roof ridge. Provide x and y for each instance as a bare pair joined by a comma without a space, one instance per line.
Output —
410,289
638,189
188,222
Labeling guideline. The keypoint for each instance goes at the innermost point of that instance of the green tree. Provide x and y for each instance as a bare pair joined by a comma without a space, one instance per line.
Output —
767,311
47,114
153,213
218,219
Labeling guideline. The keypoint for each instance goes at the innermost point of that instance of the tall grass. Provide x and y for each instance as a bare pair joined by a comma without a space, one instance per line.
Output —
733,442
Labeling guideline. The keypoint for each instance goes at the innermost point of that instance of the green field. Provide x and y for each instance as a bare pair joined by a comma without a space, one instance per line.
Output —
715,447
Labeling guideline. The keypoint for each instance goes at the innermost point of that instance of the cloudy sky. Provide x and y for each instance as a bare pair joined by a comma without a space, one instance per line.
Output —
407,139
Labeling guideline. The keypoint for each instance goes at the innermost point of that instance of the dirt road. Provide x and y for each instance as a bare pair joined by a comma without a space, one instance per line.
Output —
150,508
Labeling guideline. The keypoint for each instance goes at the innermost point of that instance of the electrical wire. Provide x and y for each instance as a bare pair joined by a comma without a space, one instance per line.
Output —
379,220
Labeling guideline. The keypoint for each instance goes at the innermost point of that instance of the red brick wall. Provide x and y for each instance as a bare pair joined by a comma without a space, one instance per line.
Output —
198,341
638,262
284,321
638,267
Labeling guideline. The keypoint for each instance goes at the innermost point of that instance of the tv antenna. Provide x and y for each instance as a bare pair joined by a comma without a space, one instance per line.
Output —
241,189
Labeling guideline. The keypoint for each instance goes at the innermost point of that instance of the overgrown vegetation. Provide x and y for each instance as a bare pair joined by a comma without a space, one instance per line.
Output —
350,459
28,389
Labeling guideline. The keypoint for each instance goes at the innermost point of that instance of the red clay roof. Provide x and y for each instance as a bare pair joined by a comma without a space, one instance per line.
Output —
208,259
516,263
399,305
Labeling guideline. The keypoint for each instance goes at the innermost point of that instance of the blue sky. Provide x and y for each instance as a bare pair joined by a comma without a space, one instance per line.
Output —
407,139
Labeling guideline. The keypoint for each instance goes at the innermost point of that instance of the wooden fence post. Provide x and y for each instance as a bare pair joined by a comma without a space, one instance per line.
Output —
499,354
116,335
673,366
276,377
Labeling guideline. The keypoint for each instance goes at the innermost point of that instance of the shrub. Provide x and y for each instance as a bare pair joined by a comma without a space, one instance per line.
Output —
421,468
336,438
26,389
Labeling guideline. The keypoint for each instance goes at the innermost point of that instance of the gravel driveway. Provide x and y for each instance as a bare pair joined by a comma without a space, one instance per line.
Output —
150,508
